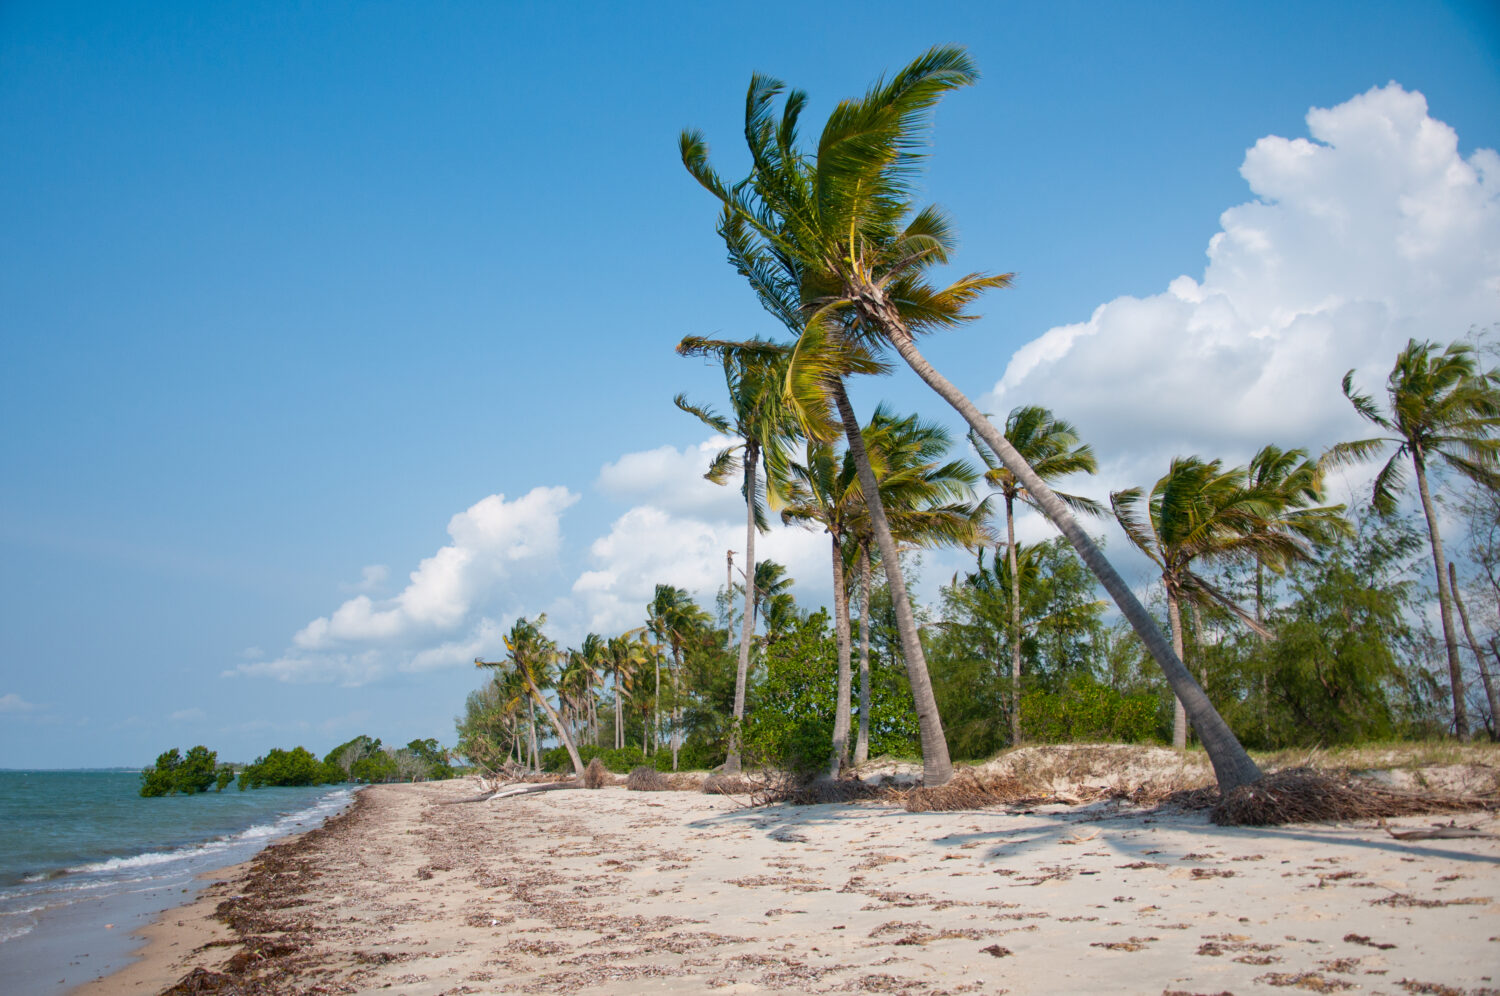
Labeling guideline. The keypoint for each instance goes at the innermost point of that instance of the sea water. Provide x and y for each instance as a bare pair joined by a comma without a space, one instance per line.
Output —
85,862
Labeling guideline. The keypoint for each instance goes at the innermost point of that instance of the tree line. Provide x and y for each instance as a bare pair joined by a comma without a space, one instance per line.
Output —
1301,618
362,759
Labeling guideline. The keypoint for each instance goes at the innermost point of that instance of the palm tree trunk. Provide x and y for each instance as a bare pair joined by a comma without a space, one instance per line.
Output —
747,625
862,741
1232,766
557,724
676,702
937,769
1179,714
1015,622
1445,603
619,716
1265,689
841,708
656,704
1491,692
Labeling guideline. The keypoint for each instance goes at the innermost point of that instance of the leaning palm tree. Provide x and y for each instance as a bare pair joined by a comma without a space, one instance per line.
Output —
1443,412
838,227
531,655
1200,512
1051,446
759,417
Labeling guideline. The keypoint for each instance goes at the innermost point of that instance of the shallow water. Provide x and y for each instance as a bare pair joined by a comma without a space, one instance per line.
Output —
85,862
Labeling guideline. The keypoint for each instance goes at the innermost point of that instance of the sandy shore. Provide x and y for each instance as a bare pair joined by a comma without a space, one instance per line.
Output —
609,891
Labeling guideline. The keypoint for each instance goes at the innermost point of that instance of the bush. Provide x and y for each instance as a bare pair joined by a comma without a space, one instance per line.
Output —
174,773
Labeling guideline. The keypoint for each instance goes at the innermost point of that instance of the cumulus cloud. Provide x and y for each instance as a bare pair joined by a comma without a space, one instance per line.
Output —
681,541
488,539
445,614
11,702
1374,230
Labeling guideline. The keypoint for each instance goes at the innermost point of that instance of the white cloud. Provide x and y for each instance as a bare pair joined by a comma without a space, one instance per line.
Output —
11,702
672,479
1374,231
679,536
445,614
488,538
193,715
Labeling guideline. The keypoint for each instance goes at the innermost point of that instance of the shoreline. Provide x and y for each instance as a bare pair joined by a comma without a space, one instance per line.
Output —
418,889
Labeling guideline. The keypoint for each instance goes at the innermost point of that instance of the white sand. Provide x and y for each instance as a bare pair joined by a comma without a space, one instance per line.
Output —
612,891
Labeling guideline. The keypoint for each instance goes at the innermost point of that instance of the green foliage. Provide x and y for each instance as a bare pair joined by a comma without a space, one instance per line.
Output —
1345,666
621,761
174,773
297,766
224,776
1086,710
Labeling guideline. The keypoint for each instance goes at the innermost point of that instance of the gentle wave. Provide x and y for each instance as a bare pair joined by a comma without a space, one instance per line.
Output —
259,831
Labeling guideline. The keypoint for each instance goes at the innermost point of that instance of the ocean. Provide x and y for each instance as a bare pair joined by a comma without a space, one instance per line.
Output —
85,862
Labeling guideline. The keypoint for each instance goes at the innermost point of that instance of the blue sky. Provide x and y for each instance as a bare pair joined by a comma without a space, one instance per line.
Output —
288,292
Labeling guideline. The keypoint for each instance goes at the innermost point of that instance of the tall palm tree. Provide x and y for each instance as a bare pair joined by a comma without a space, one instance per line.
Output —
531,656
1200,512
1051,446
926,499
1443,412
838,227
589,659
759,417
623,656
821,491
1292,486
676,620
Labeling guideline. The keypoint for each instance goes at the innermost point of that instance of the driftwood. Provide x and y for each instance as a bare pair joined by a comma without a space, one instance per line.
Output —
526,788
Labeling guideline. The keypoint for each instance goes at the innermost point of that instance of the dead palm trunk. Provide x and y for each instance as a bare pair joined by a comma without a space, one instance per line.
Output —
1445,600
841,636
862,741
937,769
1232,766
747,625
1491,692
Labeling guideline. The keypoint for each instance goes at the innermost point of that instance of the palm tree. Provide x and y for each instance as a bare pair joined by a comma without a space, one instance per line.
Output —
531,656
761,420
926,502
622,656
820,492
770,580
1200,512
1050,445
588,659
838,228
1292,486
1443,411
675,620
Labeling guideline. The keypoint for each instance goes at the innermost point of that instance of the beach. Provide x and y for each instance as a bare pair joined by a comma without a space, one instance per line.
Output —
426,889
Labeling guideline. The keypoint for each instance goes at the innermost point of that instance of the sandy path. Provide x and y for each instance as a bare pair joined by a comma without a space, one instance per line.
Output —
617,892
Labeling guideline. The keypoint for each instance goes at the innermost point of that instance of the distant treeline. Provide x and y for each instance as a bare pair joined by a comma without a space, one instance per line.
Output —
362,759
